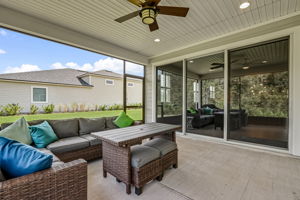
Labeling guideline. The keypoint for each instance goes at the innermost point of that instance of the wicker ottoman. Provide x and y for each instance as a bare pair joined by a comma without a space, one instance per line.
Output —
168,151
146,166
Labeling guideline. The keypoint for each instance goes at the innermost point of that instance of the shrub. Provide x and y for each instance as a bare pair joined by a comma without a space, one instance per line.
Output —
82,107
49,108
2,112
74,107
102,107
66,108
12,109
33,109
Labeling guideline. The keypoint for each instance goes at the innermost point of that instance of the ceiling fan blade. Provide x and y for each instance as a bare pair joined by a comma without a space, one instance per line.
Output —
127,17
174,11
154,2
136,2
154,26
217,67
217,64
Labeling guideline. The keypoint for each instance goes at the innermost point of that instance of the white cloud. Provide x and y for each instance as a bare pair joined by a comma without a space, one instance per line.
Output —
3,32
57,65
2,51
111,64
22,68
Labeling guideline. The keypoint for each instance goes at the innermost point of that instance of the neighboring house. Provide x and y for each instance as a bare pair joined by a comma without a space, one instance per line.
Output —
63,87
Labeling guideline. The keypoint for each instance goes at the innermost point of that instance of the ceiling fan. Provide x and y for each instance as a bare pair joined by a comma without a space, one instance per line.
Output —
150,10
220,65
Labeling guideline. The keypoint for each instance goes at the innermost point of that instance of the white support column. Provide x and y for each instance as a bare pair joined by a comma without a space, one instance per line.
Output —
226,79
184,97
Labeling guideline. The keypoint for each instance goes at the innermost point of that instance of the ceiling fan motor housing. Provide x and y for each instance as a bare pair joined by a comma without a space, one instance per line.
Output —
148,15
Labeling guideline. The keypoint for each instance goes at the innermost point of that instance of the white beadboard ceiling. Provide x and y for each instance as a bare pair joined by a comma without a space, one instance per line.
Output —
206,19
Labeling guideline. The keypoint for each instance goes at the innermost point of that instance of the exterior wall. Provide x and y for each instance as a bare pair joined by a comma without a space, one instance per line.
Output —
294,121
62,96
135,93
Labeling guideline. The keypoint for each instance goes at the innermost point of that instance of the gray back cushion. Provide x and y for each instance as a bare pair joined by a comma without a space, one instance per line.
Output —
2,178
65,128
87,126
109,122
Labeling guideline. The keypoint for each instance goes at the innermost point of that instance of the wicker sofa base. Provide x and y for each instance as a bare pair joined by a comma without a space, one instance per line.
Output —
141,176
89,153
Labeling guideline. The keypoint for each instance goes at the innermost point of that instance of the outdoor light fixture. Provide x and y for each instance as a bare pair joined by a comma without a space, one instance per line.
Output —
148,15
264,61
244,5
246,67
157,40
191,61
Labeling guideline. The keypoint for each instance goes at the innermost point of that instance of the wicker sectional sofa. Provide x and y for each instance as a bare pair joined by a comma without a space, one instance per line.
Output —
67,178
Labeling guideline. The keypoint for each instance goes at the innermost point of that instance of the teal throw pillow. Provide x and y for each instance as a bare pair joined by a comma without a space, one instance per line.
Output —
18,131
208,111
42,134
17,159
123,120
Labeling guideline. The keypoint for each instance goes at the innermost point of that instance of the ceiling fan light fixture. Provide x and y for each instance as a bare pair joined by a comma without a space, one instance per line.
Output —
148,15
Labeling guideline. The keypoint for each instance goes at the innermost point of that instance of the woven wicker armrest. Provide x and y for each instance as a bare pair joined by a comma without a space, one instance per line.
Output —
138,122
64,181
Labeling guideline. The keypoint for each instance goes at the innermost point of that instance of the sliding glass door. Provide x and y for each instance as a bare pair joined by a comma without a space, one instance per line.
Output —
205,95
258,93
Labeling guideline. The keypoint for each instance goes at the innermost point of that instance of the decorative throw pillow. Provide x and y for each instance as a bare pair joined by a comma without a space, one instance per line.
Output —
123,120
208,111
18,131
42,134
17,159
192,111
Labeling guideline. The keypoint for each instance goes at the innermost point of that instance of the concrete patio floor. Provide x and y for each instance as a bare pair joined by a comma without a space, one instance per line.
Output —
211,171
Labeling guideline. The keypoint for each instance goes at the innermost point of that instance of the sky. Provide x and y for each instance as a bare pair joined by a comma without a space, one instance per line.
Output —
22,53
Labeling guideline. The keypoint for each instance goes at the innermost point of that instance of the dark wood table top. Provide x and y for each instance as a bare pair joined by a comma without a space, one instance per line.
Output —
129,135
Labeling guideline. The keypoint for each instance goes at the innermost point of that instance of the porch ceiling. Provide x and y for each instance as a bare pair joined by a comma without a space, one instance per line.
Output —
206,19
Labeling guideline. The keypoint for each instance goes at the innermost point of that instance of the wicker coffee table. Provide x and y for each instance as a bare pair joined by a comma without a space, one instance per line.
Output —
116,147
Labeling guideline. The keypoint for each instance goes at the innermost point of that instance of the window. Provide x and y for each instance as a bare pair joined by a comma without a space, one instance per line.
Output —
165,84
39,95
212,92
109,82
130,84
196,91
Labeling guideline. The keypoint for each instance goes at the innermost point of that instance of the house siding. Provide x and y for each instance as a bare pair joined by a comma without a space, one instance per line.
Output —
59,95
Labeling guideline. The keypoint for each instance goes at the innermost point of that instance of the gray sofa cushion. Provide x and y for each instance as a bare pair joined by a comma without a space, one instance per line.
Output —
68,144
65,128
141,155
87,126
2,178
163,145
56,160
109,122
92,140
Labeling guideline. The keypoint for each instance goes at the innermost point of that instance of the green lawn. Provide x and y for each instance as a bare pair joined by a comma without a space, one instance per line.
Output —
135,114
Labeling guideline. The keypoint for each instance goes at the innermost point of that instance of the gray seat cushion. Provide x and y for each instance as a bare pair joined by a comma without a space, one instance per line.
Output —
92,140
87,126
56,160
141,155
109,122
65,128
2,178
163,145
68,144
